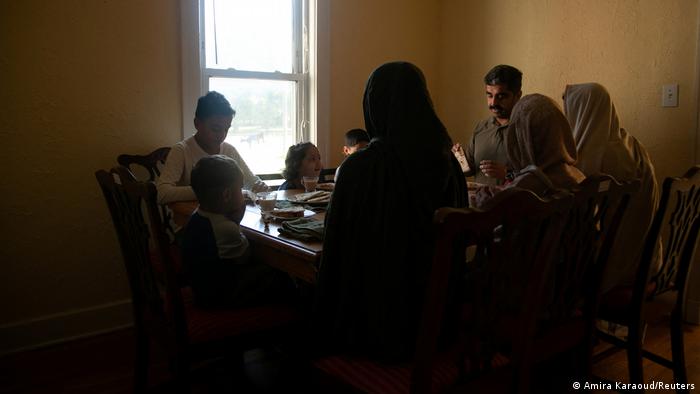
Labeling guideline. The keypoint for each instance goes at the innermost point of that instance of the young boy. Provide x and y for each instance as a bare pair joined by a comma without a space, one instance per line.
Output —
212,120
355,139
215,252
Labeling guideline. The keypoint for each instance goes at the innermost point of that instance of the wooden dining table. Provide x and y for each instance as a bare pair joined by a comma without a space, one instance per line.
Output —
297,257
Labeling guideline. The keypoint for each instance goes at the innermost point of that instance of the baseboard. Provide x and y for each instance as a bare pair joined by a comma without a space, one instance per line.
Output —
692,311
64,326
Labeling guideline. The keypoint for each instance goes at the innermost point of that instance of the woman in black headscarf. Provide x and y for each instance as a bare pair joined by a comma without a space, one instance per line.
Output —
379,241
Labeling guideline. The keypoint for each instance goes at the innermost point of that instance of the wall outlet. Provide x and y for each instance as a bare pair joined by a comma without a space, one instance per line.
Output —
669,95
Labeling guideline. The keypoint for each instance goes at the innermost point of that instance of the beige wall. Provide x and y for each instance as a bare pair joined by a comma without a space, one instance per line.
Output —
82,81
366,34
631,47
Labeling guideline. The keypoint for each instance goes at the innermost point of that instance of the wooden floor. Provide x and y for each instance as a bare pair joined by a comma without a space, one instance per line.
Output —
657,341
103,365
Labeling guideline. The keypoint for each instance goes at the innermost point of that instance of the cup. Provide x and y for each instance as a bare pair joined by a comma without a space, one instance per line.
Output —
266,201
309,183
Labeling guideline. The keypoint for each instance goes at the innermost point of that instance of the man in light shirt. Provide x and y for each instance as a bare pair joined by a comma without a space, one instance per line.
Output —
485,157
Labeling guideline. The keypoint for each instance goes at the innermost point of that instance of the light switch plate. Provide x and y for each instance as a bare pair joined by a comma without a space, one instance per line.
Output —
669,96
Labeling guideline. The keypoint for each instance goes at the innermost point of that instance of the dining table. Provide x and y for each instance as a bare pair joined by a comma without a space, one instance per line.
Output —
299,258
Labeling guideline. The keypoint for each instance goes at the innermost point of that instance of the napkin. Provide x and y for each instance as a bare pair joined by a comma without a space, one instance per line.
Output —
306,229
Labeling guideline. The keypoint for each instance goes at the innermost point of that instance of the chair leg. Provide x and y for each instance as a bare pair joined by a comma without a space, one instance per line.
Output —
678,352
141,362
634,353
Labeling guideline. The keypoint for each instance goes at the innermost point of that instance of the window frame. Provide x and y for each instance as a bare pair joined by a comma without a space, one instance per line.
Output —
312,79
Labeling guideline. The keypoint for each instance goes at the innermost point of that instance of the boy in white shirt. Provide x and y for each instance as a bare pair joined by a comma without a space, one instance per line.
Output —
212,120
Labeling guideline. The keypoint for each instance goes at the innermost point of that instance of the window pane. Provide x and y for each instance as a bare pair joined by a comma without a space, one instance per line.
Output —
265,123
251,35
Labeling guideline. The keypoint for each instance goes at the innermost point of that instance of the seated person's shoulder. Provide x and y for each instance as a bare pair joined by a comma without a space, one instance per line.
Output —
179,148
483,125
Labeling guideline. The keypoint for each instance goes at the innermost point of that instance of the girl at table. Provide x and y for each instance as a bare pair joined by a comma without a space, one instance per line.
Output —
540,149
303,159
604,147
378,241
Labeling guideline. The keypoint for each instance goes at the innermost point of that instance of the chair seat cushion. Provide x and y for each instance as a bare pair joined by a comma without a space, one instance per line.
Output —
374,377
206,325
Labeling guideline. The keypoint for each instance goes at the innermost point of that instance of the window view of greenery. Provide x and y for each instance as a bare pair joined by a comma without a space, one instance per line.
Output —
243,36
264,126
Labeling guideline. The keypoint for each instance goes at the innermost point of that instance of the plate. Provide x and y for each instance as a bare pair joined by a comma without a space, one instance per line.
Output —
307,214
301,198
325,186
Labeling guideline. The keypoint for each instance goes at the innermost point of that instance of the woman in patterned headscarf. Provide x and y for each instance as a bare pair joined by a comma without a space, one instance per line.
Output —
378,236
604,147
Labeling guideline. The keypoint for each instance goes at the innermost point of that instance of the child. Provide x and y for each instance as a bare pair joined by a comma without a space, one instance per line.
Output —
215,252
355,139
303,159
212,120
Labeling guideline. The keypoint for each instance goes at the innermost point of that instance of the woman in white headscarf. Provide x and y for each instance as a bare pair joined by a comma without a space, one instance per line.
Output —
604,147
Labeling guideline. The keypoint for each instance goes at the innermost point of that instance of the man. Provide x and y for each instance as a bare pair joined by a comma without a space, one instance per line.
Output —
485,156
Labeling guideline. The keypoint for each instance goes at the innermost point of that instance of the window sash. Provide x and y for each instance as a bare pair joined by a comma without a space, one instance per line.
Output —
300,72
315,64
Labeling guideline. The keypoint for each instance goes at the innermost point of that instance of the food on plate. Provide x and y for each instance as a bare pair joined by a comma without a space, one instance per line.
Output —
325,186
291,212
317,196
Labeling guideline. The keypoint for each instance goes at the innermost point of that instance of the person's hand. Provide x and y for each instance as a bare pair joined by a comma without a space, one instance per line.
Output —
456,147
493,169
260,187
484,193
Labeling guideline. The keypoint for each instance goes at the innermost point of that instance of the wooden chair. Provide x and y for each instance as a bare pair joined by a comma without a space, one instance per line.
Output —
677,224
149,162
166,313
600,203
327,175
516,236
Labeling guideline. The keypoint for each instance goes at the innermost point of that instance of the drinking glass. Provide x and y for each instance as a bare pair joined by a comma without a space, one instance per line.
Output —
310,183
266,201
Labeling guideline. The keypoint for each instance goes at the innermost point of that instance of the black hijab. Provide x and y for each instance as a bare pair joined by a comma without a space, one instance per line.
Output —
379,242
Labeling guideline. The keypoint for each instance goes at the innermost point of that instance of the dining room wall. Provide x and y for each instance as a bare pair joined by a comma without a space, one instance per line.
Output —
83,81
80,82
365,34
631,47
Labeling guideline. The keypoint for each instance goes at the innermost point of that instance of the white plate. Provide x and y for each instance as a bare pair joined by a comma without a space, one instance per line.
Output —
296,198
307,214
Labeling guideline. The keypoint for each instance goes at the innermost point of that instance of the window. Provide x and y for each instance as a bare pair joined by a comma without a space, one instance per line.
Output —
257,54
